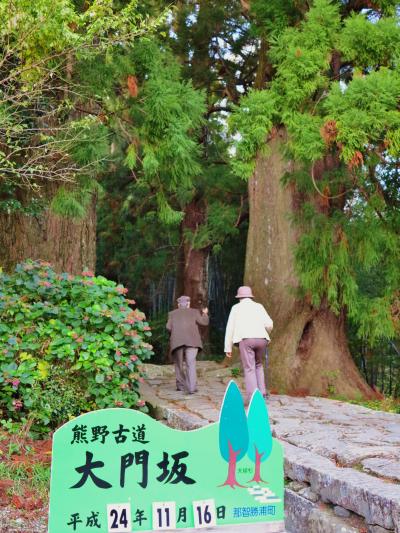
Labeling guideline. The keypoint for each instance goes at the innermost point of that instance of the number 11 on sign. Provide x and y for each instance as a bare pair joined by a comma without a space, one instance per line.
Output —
204,513
164,515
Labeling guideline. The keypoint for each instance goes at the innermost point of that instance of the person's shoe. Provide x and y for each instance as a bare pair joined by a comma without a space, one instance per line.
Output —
266,395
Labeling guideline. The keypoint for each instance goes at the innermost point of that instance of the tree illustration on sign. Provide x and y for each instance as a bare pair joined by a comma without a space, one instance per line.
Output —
260,436
233,433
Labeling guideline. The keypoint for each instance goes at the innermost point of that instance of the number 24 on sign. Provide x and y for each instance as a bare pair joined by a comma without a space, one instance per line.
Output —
119,518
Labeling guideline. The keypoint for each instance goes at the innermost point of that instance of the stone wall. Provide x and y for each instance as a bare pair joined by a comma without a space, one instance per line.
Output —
354,499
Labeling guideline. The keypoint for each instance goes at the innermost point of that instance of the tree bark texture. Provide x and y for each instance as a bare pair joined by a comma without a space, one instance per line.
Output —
192,278
192,265
308,353
68,244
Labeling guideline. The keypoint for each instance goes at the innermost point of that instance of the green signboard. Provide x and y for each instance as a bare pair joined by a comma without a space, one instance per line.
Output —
118,470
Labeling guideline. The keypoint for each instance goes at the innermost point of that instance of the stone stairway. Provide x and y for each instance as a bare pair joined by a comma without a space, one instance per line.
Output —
342,461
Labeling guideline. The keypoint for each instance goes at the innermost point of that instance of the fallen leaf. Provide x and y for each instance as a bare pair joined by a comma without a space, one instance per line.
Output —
132,85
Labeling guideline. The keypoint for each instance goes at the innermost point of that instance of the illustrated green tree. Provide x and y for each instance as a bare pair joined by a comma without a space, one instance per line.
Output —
260,435
233,432
319,143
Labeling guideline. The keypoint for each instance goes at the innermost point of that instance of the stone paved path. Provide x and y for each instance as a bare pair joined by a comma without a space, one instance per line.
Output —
348,434
347,456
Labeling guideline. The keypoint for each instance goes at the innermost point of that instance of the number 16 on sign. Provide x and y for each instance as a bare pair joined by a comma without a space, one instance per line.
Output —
204,513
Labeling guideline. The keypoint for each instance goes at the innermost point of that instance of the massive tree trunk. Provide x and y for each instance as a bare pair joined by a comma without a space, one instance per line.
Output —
192,278
68,244
309,352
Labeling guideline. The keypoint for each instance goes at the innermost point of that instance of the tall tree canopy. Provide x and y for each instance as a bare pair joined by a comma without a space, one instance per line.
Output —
51,150
202,37
323,162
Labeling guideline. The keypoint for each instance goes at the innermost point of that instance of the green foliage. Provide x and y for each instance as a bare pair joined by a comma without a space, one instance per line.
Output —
235,372
87,141
160,338
171,113
366,112
387,405
305,142
301,56
220,225
305,96
37,31
216,46
134,247
325,269
348,249
58,398
75,334
131,156
72,201
369,42
273,17
172,150
250,125
336,91
152,117
41,34
49,122
10,204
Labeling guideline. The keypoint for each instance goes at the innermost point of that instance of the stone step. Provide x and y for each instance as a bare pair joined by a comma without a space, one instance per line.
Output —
305,516
374,499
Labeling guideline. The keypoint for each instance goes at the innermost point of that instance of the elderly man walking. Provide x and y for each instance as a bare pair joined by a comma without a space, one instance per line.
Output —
249,326
185,342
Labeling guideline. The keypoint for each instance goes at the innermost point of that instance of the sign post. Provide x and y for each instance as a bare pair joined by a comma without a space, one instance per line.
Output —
120,471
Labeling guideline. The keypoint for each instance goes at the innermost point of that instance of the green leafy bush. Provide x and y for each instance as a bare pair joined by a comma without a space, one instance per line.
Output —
67,344
57,399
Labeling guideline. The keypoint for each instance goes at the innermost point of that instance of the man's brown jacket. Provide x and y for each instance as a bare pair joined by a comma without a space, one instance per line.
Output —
183,324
